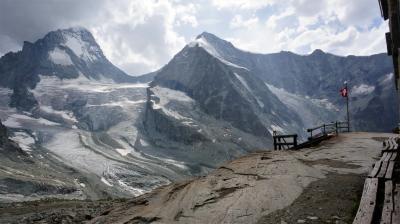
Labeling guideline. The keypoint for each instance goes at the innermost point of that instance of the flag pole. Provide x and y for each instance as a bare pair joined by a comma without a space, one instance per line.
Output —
347,107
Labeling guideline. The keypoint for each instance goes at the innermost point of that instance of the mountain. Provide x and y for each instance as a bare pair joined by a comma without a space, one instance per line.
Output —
221,102
77,119
68,53
101,133
282,91
319,76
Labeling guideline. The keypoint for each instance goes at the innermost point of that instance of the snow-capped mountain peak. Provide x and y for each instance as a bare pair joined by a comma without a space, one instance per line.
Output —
81,42
219,48
214,40
66,54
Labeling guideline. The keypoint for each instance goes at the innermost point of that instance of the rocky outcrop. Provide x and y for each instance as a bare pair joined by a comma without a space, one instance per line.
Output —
9,148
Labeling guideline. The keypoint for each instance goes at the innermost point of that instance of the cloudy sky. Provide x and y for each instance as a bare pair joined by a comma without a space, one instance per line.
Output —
140,36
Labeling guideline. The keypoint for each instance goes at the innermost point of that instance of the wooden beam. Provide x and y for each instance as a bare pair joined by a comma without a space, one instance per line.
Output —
388,205
384,9
396,212
365,212
389,43
376,169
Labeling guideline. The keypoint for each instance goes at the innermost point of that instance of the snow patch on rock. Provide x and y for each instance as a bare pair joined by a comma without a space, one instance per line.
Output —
311,111
15,120
60,57
244,83
386,79
67,115
165,96
203,43
123,152
24,140
106,182
82,49
362,89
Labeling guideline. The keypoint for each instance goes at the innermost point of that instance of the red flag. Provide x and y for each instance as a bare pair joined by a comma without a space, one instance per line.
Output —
344,92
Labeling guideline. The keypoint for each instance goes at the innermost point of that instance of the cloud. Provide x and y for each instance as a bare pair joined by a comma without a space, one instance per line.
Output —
142,33
141,36
242,4
239,22
337,26
138,36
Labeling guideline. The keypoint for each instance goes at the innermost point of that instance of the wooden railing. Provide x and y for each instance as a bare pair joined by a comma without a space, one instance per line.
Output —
326,129
317,134
280,141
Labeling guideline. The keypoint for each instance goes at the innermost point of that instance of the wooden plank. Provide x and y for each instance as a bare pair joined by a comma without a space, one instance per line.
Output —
394,143
384,155
376,169
396,198
387,158
394,156
391,146
389,171
365,212
386,145
382,170
285,136
388,206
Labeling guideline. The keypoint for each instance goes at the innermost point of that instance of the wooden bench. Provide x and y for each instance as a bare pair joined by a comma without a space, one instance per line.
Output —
365,212
380,188
388,205
396,204
384,167
391,144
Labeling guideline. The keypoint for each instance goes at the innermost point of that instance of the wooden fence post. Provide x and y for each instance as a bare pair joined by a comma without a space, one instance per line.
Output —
336,128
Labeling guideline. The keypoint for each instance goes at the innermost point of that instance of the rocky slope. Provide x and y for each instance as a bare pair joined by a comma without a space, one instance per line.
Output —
260,186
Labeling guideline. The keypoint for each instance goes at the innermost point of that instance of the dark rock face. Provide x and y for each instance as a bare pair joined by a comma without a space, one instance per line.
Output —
222,91
3,135
176,131
8,148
